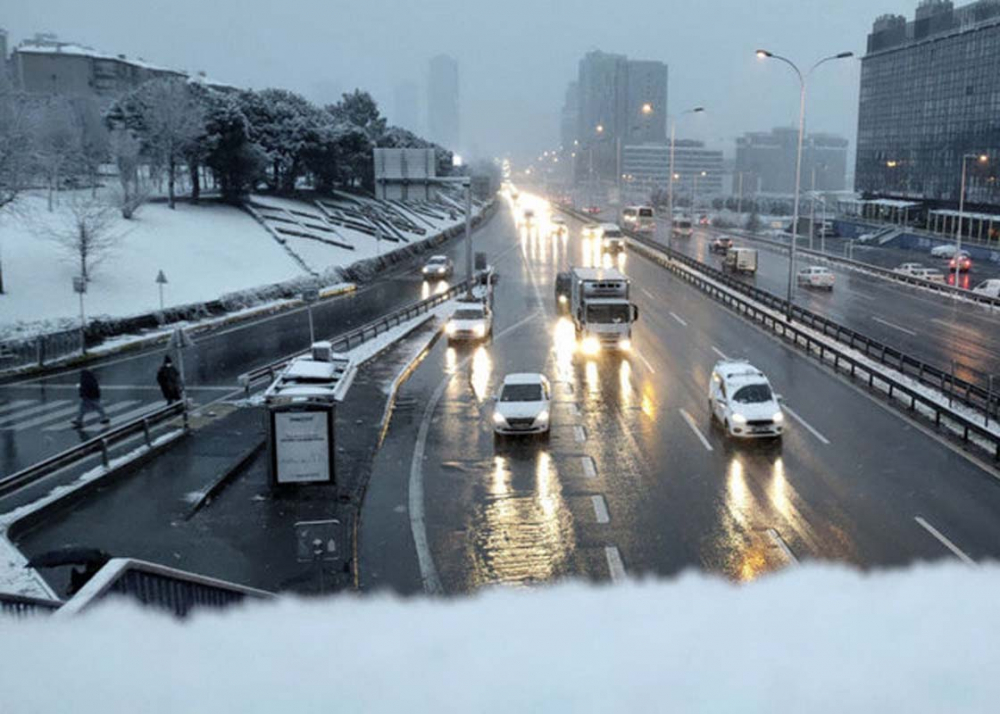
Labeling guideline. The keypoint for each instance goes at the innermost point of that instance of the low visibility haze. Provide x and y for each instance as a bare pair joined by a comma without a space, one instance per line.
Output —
515,58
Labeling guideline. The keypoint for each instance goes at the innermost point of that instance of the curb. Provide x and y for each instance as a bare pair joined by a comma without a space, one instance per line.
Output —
225,478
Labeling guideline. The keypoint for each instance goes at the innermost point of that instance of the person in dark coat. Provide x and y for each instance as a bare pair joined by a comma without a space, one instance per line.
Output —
90,398
169,380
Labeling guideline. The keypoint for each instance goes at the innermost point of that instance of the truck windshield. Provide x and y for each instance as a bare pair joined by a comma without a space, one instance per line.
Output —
608,314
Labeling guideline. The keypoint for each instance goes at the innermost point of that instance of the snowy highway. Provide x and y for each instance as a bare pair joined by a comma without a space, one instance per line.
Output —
634,478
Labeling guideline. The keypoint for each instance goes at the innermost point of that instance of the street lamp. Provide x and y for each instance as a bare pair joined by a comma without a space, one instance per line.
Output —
647,108
673,176
803,80
694,190
982,159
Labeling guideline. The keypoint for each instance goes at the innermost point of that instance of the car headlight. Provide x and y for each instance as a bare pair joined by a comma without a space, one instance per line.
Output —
778,418
591,345
480,330
739,419
562,299
498,419
542,417
625,344
450,328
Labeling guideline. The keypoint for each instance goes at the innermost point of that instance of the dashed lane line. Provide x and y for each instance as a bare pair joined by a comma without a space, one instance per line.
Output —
679,320
958,552
649,294
600,509
782,546
615,565
694,427
645,362
894,326
589,469
719,352
812,430
579,434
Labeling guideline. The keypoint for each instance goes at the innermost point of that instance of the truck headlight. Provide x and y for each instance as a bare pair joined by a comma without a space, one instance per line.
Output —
778,418
739,419
591,345
625,344
480,330
450,328
543,417
498,419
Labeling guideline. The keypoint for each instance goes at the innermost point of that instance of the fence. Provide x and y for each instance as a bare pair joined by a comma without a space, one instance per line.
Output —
19,606
40,350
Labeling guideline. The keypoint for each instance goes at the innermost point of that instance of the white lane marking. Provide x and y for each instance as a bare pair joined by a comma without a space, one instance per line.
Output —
694,427
894,326
959,553
812,430
645,362
600,509
615,565
782,545
16,404
576,410
589,470
648,294
13,417
678,319
719,352
141,388
579,434
109,409
418,524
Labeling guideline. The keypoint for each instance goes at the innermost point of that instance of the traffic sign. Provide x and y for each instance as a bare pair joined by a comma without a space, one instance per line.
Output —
318,541
79,284
161,278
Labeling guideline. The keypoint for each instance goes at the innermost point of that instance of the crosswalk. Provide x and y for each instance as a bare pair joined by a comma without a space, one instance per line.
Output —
20,415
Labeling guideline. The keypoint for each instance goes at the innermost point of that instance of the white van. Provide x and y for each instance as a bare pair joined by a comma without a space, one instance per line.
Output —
641,219
989,288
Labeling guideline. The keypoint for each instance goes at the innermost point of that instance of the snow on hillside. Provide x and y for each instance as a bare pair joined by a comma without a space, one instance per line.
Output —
817,639
205,251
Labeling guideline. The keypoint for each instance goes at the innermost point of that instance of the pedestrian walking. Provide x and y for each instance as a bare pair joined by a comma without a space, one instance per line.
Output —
169,380
90,398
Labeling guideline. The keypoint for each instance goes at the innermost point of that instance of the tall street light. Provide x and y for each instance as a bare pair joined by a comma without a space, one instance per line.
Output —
803,80
982,159
670,193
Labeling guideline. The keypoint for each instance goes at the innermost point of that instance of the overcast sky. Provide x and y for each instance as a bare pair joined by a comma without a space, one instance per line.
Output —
515,56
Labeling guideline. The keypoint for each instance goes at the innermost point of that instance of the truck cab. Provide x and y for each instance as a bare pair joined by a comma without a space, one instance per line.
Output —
601,310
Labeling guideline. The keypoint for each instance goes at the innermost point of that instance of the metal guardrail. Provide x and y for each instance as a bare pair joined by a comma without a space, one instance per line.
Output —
705,281
39,350
175,591
98,445
356,336
20,606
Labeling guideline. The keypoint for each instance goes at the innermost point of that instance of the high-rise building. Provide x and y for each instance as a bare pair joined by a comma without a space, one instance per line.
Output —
767,160
406,102
620,101
443,102
646,109
930,93
569,116
698,169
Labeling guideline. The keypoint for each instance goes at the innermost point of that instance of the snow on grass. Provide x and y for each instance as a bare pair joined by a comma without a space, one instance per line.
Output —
15,576
819,639
205,251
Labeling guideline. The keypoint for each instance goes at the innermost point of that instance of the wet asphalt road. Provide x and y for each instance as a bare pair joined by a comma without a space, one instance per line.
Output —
930,327
35,414
634,479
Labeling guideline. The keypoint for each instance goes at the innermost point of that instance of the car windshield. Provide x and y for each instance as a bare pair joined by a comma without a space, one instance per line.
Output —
521,393
608,314
646,212
437,261
753,394
468,314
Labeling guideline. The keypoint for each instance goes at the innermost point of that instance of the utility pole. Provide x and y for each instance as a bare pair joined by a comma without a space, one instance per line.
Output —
468,233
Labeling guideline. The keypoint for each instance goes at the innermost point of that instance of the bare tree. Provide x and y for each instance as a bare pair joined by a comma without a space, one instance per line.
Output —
15,152
58,142
126,152
172,119
86,232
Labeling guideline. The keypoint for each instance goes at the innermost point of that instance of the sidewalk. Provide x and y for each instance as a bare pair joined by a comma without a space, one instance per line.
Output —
246,532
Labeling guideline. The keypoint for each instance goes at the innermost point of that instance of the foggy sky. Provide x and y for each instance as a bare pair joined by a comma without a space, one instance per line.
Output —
515,56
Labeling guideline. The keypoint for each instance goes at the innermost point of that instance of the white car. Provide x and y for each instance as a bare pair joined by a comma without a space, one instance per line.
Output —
471,321
990,288
816,277
523,404
909,268
439,266
930,274
741,399
945,252
558,226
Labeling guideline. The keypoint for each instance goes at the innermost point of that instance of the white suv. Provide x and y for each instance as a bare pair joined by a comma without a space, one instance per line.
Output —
471,321
741,399
816,277
523,405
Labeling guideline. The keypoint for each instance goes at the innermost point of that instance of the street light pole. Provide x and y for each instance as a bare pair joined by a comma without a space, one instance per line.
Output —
468,234
803,81
670,192
981,158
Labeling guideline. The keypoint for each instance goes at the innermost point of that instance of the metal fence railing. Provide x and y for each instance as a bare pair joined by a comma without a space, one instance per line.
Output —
357,336
39,350
98,445
176,591
20,606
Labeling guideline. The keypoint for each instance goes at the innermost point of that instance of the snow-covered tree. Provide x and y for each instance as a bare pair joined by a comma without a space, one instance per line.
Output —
58,142
85,232
126,152
15,151
229,152
281,122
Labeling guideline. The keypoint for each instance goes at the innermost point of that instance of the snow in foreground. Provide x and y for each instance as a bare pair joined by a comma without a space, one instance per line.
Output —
817,639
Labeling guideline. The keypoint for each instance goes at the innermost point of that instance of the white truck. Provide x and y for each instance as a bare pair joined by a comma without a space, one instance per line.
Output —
741,260
601,311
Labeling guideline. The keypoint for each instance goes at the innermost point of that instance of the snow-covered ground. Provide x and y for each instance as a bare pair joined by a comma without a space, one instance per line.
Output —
205,251
817,639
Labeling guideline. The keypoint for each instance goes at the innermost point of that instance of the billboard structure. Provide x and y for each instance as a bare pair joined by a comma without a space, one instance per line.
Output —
405,174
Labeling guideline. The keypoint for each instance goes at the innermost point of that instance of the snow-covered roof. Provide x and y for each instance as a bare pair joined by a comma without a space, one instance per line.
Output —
952,213
84,51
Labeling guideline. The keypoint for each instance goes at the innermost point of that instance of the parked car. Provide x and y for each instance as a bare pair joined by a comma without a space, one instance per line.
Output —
721,244
438,266
816,277
522,406
990,288
741,399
